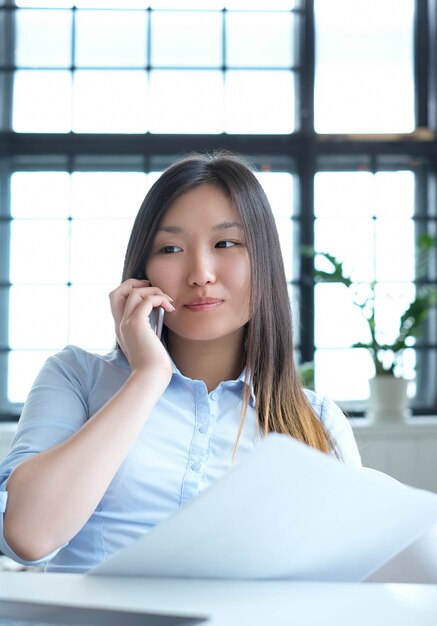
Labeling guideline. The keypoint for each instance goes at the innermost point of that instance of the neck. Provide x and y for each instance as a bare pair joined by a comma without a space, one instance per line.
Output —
211,361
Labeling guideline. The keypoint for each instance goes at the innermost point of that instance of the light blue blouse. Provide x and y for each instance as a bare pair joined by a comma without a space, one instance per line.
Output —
185,445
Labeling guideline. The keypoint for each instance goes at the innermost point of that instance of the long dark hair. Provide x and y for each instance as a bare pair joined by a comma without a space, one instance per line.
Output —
281,404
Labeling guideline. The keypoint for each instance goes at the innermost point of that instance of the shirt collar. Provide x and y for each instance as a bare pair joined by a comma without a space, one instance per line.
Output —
240,381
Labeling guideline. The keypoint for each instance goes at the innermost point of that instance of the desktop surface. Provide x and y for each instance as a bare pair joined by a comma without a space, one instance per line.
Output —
234,603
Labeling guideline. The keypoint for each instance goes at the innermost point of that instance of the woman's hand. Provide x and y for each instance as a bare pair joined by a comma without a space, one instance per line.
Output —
131,304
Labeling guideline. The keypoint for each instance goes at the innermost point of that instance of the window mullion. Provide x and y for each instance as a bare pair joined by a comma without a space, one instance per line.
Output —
305,100
7,60
421,58
5,231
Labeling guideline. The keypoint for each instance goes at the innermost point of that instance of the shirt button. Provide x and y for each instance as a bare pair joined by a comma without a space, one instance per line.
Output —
195,467
214,395
203,429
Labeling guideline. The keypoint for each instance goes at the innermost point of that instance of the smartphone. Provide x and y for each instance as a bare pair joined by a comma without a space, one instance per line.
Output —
156,319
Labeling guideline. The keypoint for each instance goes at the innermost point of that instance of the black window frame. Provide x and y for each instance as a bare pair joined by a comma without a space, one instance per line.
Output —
304,149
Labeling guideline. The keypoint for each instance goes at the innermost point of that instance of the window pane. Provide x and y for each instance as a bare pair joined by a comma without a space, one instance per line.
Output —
338,322
97,250
346,205
343,194
111,38
40,195
279,190
39,252
43,38
259,39
107,194
408,370
23,367
351,241
186,102
186,39
390,302
394,249
109,101
394,193
259,102
343,374
42,102
364,66
95,329
38,317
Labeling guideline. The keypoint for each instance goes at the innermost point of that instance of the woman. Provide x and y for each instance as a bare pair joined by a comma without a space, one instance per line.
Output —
124,440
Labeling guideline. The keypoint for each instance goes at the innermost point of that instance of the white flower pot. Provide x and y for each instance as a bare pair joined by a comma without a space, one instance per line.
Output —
388,399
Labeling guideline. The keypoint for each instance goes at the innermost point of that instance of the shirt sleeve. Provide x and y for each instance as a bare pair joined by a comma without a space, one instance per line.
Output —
337,425
54,410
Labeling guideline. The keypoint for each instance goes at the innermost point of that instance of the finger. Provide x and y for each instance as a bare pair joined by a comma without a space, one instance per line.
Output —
138,321
121,295
118,296
126,287
150,298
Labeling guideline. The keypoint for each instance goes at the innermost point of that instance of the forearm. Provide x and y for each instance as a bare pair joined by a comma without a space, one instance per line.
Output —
53,494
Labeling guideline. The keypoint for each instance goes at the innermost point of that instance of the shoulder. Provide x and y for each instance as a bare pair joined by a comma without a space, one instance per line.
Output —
78,371
337,425
69,387
73,359
328,411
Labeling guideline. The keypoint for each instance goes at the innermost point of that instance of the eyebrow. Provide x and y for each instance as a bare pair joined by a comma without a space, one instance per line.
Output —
177,230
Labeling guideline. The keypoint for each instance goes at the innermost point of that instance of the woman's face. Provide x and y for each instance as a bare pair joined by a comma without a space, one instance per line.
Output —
199,258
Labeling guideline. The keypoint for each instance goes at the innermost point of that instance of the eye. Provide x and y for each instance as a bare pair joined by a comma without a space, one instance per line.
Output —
170,249
226,244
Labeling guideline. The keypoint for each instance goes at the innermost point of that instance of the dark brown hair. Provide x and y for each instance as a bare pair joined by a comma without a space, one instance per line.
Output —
281,404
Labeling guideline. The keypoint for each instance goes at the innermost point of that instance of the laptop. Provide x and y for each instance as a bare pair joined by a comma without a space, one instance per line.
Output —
14,613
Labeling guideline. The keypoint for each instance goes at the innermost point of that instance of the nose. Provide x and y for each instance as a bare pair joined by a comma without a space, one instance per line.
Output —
202,269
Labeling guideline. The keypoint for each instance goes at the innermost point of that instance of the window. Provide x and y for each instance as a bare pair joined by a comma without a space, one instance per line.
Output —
365,50
102,67
333,103
370,226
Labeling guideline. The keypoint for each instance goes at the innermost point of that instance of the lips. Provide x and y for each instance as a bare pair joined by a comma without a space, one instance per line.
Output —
203,304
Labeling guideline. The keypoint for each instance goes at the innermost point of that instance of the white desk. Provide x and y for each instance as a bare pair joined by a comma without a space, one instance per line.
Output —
230,603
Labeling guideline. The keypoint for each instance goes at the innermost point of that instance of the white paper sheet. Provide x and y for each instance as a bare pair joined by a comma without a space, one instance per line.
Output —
416,564
284,511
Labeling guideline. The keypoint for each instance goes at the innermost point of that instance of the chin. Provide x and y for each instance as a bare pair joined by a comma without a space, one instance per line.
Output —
204,334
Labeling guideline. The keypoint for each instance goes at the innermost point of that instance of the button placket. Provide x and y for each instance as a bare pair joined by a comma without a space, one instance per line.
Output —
199,450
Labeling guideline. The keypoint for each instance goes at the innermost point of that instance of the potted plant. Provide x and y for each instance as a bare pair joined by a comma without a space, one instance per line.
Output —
388,391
